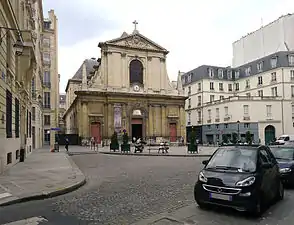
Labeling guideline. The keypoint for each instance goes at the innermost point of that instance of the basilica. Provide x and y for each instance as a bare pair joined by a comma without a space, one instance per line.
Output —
128,88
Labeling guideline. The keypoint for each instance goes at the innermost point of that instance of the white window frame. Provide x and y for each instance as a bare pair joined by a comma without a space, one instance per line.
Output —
269,111
210,72
274,62
220,73
246,110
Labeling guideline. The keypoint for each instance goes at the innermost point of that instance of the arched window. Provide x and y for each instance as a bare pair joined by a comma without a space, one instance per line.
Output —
136,72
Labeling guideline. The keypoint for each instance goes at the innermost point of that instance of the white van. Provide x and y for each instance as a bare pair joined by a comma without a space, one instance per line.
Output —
284,138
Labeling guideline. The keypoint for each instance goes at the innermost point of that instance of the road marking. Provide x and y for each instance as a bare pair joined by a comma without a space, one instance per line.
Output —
4,195
4,188
30,221
15,184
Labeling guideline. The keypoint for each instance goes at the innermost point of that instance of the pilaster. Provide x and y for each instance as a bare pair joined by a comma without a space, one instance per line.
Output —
150,110
163,120
105,127
110,119
182,121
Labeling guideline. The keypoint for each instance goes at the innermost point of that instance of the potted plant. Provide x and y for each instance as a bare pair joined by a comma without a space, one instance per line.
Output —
192,146
125,146
114,142
248,137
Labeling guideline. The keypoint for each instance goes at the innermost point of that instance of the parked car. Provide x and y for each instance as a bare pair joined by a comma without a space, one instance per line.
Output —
242,177
285,156
284,138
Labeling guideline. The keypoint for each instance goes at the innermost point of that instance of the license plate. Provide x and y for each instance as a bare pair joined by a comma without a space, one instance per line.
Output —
220,196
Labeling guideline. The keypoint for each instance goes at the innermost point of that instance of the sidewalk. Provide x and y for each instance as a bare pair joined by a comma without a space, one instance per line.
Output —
42,175
176,151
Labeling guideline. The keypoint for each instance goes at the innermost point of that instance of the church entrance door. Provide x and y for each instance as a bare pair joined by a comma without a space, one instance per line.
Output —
173,132
96,132
137,128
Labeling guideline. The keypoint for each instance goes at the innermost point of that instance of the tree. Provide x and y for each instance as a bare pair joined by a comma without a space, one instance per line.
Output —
234,138
225,138
248,137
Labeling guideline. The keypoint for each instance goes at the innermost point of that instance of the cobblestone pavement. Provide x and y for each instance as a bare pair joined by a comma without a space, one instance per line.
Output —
127,190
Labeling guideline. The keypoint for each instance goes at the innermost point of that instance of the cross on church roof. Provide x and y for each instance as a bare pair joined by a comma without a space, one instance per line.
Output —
135,23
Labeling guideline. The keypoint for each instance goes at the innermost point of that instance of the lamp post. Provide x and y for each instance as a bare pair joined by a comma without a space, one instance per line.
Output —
238,124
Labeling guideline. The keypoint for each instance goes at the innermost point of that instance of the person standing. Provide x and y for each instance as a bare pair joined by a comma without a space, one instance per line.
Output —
66,144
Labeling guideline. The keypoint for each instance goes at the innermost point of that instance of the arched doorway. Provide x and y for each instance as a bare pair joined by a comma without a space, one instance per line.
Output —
96,131
269,134
136,72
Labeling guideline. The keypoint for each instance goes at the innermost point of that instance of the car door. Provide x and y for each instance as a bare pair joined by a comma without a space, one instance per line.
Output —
275,173
266,174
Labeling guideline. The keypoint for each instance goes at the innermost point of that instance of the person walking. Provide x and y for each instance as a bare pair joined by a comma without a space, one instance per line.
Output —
66,144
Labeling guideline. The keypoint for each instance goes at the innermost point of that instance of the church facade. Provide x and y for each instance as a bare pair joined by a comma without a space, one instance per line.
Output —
128,89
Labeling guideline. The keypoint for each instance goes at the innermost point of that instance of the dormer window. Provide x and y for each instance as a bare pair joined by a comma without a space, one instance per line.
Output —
190,77
260,66
210,72
229,74
248,71
291,60
237,74
220,74
274,62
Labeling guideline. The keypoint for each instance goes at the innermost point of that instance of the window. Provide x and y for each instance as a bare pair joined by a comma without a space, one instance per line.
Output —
230,87
209,114
47,25
236,86
9,158
211,98
8,114
211,86
247,84
190,77
46,57
46,42
210,72
292,91
248,95
260,66
221,86
292,75
33,113
259,80
199,100
8,49
189,90
226,125
237,74
269,111
199,115
221,97
248,71
274,91
16,114
46,78
46,119
226,110
274,61
30,124
199,86
47,104
264,157
217,113
220,73
246,125
229,74
47,136
273,76
189,117
246,109
260,93
136,72
291,60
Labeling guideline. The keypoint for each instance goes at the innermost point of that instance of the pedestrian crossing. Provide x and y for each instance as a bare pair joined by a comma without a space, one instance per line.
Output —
29,221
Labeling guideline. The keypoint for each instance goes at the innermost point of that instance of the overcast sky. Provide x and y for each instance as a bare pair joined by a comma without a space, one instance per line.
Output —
195,32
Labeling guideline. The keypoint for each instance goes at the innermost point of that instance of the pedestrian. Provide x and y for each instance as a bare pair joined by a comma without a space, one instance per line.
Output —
92,143
66,144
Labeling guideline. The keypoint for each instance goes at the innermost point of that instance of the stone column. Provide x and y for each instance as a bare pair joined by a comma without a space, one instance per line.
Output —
85,120
182,121
123,69
163,120
150,109
148,84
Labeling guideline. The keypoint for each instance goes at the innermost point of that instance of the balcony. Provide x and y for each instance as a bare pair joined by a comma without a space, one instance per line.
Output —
217,120
199,121
188,123
246,118
46,106
227,118
209,121
47,84
189,106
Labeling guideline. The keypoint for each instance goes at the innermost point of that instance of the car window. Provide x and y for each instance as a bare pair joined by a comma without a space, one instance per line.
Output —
241,159
283,153
264,156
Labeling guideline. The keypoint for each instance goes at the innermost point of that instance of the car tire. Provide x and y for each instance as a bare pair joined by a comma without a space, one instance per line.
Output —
258,208
280,192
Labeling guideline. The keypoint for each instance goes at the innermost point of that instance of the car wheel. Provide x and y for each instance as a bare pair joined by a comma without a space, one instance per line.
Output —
280,192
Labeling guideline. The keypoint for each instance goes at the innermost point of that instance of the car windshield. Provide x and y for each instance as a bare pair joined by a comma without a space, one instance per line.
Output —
237,159
283,153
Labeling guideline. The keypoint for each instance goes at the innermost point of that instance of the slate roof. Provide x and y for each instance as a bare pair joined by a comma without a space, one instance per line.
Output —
89,68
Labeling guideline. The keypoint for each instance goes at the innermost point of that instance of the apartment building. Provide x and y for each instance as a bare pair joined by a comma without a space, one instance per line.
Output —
62,109
256,97
18,65
50,79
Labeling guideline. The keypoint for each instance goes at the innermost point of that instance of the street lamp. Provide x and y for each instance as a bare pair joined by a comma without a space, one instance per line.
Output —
18,47
238,124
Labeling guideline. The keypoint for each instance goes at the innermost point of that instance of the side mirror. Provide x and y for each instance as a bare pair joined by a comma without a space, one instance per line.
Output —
266,165
204,162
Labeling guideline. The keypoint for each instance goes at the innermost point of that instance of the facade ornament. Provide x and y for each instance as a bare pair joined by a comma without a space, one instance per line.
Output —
123,54
149,58
162,59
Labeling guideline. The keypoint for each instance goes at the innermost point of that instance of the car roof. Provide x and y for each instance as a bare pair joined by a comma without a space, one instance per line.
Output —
281,146
241,145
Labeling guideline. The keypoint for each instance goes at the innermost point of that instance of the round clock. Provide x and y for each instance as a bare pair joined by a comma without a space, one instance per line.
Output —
136,88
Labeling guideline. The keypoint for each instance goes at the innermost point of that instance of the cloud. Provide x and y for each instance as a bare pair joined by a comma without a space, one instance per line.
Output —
195,32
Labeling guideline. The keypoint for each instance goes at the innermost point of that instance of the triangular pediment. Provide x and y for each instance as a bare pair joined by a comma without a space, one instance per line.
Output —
135,40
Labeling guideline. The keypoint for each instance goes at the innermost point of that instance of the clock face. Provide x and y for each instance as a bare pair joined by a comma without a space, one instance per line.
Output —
136,88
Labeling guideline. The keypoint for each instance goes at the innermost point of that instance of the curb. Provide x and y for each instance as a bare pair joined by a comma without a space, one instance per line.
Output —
46,195
147,154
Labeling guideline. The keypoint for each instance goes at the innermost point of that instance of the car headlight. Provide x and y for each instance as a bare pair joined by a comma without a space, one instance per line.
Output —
202,177
285,170
246,182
